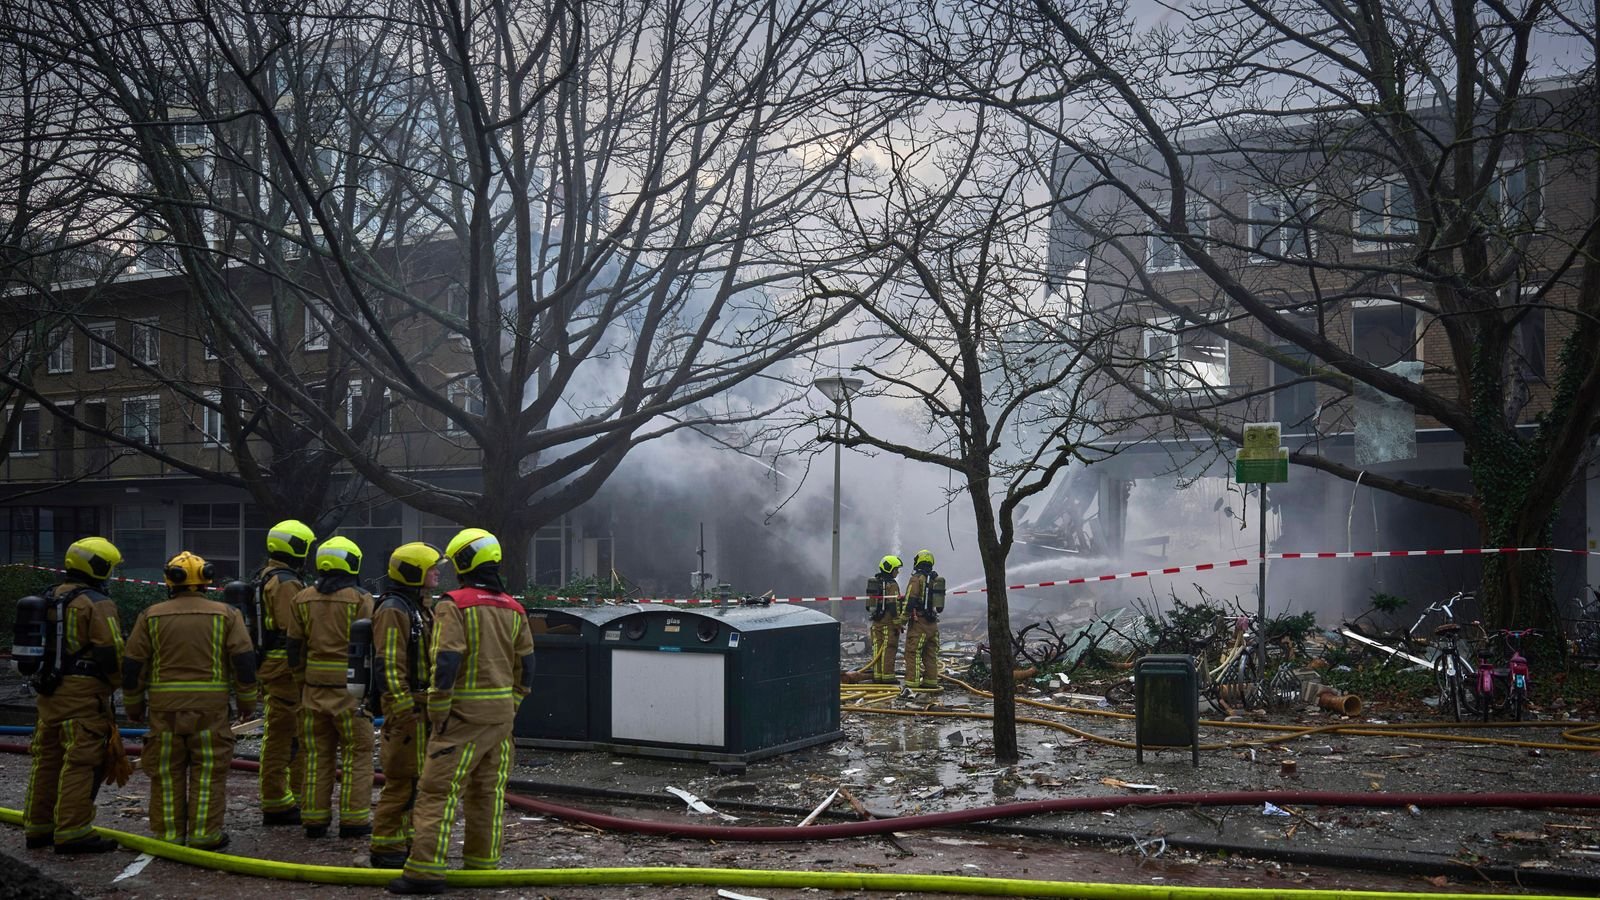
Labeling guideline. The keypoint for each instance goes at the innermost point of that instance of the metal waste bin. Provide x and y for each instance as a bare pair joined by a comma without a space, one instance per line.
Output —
1166,703
722,684
566,709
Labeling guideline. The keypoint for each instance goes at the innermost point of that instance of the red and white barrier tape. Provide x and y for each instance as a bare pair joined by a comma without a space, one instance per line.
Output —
1065,582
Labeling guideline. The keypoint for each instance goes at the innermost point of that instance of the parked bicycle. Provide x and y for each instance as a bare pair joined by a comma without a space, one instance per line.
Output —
1452,674
1505,688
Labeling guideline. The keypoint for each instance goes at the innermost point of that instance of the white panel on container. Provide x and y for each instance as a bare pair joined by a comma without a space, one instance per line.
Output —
670,698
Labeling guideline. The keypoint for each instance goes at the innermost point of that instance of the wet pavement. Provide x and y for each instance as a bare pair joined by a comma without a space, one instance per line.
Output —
899,765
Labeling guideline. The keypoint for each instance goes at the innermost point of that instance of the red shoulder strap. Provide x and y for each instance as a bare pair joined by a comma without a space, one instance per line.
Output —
470,597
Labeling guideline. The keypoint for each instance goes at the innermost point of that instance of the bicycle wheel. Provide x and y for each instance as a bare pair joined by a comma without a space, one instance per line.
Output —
1447,678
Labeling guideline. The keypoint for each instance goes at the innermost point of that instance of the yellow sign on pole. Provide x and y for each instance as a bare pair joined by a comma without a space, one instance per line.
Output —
1261,460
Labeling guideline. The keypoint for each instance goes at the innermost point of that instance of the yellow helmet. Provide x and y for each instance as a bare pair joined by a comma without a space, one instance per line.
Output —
409,564
889,564
188,571
923,556
291,537
339,554
471,548
93,556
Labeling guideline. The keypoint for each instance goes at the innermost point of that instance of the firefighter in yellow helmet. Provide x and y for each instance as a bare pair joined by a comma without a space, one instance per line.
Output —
185,655
279,580
483,667
401,636
80,666
887,609
924,604
333,726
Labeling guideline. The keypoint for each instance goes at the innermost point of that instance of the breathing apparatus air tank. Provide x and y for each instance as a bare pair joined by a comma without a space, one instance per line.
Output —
935,595
875,607
29,633
241,595
358,667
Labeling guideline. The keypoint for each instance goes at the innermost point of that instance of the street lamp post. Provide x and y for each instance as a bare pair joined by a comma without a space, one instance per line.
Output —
838,390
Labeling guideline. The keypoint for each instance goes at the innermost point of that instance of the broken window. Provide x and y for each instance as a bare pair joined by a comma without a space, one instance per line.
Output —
1181,356
1165,254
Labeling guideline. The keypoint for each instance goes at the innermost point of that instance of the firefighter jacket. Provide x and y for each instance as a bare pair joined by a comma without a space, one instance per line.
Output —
482,658
279,586
402,638
891,607
91,637
187,653
319,629
917,596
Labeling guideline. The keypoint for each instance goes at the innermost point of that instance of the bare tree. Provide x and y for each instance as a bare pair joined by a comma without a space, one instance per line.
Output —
542,232
976,339
1301,160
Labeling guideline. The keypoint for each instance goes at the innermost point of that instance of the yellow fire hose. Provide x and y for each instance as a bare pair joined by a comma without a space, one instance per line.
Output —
750,878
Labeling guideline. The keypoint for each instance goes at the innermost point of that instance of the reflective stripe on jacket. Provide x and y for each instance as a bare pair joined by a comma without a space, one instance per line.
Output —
186,646
322,622
489,631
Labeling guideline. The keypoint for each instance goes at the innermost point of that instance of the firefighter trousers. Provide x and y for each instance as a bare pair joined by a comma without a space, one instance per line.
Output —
922,653
186,756
69,758
334,734
404,739
885,645
283,770
464,769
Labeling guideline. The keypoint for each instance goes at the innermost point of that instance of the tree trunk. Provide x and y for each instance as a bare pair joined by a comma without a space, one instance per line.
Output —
1002,656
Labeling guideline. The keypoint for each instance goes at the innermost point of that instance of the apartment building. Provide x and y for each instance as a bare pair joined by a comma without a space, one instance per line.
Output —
1322,235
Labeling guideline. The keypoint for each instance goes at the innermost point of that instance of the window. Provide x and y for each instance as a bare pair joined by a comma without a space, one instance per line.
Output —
145,341
140,532
209,417
1384,209
1280,227
59,361
263,316
549,557
102,349
1180,356
316,331
25,442
141,420
1165,255
1383,332
42,534
191,133
1516,195
373,525
211,531
466,393
353,410
96,452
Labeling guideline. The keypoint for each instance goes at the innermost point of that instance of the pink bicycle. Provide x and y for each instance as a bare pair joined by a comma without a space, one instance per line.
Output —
1504,688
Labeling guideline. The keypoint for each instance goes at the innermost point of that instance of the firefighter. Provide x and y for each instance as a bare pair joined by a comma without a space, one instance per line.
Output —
184,656
331,720
401,637
277,583
483,667
887,610
82,666
924,603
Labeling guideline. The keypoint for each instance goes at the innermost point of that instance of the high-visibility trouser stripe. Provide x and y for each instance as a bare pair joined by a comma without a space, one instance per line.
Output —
264,772
69,740
500,779
197,687
277,654
394,679
170,828
202,803
447,821
353,810
310,813
36,749
327,665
